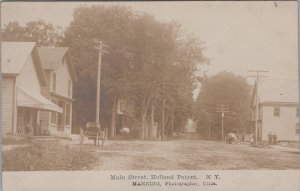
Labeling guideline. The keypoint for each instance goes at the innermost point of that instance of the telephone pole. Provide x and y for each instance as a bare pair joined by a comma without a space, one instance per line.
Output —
210,124
257,74
222,109
98,83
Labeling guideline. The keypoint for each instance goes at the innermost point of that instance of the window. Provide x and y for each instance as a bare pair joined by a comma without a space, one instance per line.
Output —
70,88
276,111
54,82
297,112
54,114
67,121
297,128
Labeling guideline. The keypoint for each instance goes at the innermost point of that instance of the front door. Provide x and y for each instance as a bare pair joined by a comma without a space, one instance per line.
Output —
61,117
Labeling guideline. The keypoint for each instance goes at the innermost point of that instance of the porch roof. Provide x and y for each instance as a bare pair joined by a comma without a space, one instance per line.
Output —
31,99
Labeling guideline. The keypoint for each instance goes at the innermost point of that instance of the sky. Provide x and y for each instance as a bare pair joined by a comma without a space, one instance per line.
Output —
238,36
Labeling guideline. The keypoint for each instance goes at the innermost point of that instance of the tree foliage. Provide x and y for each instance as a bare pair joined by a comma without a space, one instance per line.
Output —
142,53
223,88
44,34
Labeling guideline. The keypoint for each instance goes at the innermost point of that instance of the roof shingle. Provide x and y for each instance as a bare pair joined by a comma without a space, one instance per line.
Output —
14,55
51,56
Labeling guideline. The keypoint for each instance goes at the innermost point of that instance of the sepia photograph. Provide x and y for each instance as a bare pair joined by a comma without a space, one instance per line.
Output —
150,86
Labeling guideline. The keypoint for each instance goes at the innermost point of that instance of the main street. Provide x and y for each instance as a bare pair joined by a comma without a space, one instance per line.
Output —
38,154
192,155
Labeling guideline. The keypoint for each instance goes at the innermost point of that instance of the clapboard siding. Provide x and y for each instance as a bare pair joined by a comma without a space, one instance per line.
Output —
45,90
8,110
45,115
62,79
284,125
28,78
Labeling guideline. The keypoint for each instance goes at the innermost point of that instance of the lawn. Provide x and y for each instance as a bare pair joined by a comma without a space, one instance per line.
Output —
12,140
47,156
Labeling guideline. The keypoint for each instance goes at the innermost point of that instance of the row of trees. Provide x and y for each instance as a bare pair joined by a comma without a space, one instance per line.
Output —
44,34
147,63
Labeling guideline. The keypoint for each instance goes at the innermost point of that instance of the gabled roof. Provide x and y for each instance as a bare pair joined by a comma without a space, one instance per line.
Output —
14,56
51,56
277,90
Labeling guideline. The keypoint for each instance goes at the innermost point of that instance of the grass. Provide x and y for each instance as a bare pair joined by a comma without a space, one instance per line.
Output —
9,140
47,156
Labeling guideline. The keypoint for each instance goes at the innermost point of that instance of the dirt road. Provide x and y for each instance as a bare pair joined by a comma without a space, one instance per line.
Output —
191,155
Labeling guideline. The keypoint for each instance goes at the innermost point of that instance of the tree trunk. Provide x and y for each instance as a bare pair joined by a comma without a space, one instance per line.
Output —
163,120
150,133
146,131
158,133
144,110
143,119
113,118
172,125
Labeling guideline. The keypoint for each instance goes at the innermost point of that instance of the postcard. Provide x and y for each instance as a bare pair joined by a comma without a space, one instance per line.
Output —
150,95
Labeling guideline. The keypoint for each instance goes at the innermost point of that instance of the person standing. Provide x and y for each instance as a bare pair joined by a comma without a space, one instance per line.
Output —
270,137
274,139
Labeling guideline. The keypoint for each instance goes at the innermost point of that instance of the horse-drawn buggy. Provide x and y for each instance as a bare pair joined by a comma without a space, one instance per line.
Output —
92,132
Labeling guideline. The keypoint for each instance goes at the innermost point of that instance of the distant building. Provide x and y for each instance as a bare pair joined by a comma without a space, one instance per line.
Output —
60,76
22,81
278,109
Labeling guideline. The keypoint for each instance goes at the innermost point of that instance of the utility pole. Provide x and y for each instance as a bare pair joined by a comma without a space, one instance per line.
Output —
222,109
257,74
98,83
100,47
210,124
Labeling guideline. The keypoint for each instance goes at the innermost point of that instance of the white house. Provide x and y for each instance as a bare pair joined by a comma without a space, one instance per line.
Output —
278,109
22,80
60,76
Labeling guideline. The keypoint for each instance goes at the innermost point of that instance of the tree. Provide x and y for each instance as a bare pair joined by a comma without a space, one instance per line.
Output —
223,88
13,32
44,34
142,53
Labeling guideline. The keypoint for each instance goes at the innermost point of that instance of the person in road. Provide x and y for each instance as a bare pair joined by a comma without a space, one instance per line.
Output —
274,139
270,137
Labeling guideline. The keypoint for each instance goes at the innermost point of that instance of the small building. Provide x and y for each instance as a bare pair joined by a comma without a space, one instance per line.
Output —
22,81
278,109
60,77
